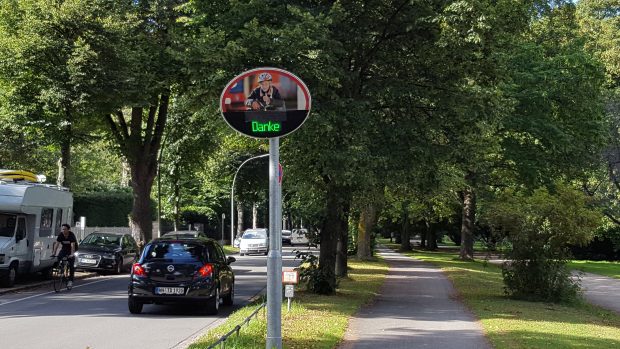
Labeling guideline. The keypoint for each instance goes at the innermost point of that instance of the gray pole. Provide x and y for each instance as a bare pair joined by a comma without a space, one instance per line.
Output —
274,260
232,198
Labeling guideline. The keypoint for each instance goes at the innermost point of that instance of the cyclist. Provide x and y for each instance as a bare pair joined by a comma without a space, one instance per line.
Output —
66,242
265,96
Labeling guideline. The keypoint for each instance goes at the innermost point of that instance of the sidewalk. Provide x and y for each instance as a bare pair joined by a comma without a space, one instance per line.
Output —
416,308
602,291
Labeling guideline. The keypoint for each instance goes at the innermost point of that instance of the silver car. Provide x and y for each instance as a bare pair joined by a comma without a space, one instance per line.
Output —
254,241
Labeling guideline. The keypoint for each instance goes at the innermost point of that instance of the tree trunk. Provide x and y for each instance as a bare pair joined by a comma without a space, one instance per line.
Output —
432,237
239,218
368,219
424,234
343,242
176,199
405,243
139,142
330,233
467,227
125,173
64,163
254,215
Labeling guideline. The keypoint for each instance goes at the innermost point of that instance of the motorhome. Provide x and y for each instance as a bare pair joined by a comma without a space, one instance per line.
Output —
31,215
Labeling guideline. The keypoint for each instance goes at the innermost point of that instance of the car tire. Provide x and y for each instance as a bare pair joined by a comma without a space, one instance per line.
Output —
229,299
9,279
213,304
134,306
119,266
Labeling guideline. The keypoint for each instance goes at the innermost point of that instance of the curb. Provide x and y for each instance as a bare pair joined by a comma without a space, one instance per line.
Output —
18,288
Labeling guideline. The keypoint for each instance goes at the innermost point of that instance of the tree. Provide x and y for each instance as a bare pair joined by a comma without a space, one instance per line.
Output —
47,52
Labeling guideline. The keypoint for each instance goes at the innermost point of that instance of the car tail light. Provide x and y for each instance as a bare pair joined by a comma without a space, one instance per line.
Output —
206,270
138,270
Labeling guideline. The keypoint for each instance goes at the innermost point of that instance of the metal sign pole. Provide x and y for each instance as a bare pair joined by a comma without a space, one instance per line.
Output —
274,259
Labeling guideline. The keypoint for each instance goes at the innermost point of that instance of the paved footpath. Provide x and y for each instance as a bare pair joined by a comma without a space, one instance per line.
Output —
416,308
602,291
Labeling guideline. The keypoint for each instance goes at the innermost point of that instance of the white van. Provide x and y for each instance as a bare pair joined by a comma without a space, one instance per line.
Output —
30,218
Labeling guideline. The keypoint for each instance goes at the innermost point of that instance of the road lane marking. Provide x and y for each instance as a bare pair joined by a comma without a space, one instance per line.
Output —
53,292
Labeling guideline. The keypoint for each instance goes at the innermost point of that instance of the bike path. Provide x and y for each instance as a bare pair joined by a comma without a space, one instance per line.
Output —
417,308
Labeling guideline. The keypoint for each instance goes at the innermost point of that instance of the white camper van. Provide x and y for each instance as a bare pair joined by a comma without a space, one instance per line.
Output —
30,218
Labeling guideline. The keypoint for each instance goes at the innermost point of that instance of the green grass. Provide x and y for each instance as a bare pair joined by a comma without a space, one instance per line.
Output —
314,321
611,269
513,324
230,250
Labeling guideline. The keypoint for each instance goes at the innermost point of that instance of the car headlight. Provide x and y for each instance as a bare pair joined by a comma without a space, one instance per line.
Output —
108,256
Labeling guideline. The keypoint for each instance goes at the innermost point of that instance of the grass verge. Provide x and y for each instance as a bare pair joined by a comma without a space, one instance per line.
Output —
513,324
314,321
611,269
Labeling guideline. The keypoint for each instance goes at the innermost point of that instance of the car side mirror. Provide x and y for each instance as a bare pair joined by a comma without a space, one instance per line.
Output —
230,259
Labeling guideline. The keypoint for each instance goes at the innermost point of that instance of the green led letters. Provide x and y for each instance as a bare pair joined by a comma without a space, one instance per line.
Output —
265,127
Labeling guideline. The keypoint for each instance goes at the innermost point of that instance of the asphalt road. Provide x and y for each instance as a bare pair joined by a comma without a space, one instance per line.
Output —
94,313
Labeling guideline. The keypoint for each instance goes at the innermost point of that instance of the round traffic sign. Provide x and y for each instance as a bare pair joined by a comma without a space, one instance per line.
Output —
265,103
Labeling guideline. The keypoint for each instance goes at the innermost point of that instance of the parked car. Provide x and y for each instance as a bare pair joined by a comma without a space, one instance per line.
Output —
286,237
300,237
185,234
254,241
107,251
186,270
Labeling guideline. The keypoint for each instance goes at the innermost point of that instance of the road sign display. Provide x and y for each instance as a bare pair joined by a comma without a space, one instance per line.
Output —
290,277
265,103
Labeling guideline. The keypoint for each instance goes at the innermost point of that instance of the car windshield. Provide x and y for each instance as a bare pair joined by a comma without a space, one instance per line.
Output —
102,240
174,251
7,225
255,234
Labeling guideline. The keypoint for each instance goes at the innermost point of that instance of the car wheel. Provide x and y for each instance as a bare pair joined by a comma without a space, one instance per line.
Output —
119,267
9,278
213,304
229,299
134,306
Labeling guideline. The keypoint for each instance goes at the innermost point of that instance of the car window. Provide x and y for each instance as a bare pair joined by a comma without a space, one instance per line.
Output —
256,234
126,242
215,254
175,251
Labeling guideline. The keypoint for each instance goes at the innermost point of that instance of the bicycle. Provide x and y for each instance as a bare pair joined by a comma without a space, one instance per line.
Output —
60,275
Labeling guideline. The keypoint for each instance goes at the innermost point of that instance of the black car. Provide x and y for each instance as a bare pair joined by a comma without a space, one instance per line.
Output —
182,270
107,252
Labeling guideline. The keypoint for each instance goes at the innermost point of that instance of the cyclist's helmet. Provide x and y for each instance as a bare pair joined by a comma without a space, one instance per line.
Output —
264,77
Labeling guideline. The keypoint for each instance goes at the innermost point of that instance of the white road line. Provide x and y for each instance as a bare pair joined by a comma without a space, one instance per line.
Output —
50,292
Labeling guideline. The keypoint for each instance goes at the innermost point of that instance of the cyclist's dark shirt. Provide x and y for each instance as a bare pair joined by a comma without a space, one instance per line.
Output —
66,242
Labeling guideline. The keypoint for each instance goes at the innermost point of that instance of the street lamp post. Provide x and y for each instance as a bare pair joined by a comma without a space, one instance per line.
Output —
223,217
232,197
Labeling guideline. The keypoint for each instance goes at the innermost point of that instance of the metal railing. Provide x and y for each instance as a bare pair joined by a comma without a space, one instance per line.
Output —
237,328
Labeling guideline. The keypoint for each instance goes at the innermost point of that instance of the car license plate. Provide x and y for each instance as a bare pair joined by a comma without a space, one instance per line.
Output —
88,261
169,290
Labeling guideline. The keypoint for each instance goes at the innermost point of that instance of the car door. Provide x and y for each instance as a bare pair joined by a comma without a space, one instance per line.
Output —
216,254
129,251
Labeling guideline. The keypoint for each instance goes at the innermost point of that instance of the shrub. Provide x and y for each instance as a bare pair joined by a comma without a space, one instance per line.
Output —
540,226
316,280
